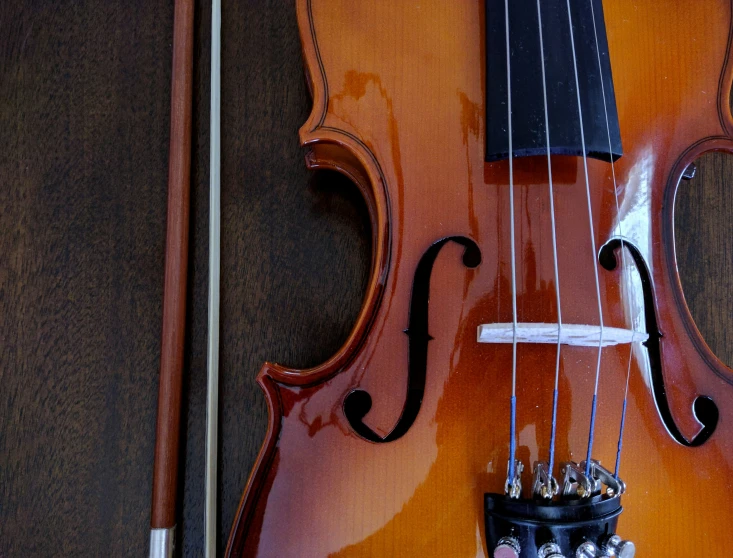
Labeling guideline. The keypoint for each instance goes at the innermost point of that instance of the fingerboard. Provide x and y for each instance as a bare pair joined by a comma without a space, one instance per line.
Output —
599,119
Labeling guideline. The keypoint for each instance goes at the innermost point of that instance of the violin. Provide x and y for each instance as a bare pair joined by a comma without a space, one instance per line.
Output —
524,378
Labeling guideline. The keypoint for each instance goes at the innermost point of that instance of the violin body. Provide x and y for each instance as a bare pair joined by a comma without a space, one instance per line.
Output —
402,467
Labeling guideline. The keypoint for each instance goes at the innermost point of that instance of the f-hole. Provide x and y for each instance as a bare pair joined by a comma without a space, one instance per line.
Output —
358,402
704,408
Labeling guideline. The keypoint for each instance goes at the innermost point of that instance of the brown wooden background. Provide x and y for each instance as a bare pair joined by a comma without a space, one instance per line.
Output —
84,108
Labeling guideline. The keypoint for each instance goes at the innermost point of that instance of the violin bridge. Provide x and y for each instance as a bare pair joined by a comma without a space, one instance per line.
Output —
570,334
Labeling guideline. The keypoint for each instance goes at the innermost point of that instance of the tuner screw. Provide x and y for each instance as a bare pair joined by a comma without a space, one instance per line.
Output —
507,547
586,550
616,546
550,550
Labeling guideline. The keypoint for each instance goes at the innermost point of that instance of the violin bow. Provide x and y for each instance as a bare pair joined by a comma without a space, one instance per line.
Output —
167,436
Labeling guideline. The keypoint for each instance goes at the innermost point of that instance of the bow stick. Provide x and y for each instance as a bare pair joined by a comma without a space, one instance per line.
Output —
165,468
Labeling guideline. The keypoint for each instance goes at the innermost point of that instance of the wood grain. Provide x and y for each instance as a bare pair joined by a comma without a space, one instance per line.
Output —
85,89
704,237
84,130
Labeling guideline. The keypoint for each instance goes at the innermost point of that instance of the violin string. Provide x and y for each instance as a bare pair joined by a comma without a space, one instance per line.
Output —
624,269
513,400
594,403
551,461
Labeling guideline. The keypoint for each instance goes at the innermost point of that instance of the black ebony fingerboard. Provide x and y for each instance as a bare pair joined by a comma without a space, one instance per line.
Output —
528,106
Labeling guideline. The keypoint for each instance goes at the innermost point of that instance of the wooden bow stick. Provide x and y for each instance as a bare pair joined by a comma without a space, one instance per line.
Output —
165,469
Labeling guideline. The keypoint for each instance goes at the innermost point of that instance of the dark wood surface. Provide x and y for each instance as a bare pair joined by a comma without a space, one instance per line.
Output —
84,109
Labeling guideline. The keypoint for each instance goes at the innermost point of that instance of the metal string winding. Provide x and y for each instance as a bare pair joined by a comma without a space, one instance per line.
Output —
624,269
553,431
513,401
593,245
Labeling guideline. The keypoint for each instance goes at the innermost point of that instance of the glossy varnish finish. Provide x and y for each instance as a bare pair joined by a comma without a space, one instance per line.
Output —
398,104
